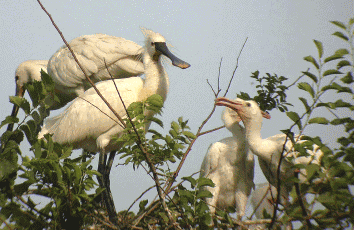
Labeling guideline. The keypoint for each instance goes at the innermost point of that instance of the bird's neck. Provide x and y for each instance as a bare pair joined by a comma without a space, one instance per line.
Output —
156,79
237,130
263,148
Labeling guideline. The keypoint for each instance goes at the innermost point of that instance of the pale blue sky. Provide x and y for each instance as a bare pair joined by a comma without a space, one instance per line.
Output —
280,34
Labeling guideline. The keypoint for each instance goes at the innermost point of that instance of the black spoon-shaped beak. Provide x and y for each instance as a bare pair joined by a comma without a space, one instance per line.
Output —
161,46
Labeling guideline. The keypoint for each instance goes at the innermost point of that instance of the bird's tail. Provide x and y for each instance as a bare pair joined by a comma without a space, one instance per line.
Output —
50,125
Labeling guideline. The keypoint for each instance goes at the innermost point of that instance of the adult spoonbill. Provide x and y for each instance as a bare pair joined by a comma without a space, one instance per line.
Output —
84,126
269,150
123,59
230,165
26,72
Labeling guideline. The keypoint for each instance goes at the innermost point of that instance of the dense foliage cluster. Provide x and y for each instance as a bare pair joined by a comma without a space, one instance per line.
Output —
71,194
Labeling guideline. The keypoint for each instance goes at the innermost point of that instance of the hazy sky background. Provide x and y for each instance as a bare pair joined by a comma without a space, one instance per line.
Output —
280,34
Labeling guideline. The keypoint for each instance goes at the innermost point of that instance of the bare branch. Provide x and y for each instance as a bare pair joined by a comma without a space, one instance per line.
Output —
298,79
142,194
77,61
102,112
233,74
219,79
212,130
212,88
171,181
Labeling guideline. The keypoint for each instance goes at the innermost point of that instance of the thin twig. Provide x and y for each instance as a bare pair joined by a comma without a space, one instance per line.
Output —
233,73
102,112
219,77
212,88
171,181
77,61
212,130
142,194
297,80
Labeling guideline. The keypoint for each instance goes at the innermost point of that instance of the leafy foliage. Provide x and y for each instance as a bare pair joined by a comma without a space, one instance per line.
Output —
270,94
67,182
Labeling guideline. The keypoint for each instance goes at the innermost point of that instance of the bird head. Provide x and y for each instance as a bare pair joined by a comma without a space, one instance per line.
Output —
247,110
156,46
230,117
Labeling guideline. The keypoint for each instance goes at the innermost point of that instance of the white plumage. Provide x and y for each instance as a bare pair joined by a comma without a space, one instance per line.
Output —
26,72
123,58
84,126
269,150
230,165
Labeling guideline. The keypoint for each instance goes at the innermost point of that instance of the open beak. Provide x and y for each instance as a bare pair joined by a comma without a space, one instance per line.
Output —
223,101
161,46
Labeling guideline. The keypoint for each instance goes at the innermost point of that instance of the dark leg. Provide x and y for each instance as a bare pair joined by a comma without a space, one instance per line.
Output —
106,194
108,169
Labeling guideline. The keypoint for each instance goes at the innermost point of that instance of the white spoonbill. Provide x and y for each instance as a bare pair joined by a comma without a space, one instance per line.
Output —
84,126
26,72
230,165
269,150
123,59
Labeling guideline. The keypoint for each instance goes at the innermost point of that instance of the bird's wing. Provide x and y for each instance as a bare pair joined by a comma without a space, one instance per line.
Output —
92,51
85,116
211,159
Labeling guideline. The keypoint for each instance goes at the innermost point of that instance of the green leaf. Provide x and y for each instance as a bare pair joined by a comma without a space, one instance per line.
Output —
304,101
204,194
142,205
319,120
191,180
202,182
22,103
348,79
331,71
310,75
339,24
78,174
307,87
319,47
351,21
333,57
189,134
341,35
9,120
343,63
155,100
175,126
155,120
295,118
342,52
312,60
47,81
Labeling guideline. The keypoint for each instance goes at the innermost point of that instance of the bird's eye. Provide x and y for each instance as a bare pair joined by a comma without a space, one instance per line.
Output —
249,104
152,43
